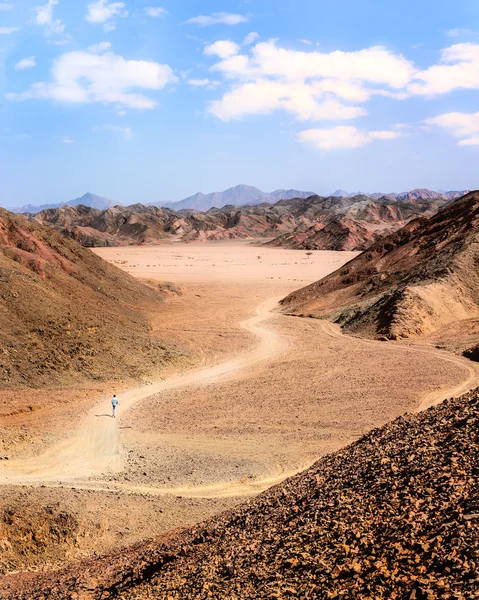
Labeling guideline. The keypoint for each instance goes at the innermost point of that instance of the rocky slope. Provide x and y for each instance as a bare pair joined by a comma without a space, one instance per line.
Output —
416,194
393,516
331,223
139,224
355,223
66,314
415,281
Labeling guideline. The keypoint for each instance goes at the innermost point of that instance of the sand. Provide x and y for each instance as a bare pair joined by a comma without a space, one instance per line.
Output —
263,395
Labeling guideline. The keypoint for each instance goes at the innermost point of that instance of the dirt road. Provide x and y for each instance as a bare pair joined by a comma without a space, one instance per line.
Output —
95,449
261,396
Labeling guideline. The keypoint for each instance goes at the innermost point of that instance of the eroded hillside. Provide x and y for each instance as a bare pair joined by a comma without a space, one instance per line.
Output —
68,315
314,223
413,282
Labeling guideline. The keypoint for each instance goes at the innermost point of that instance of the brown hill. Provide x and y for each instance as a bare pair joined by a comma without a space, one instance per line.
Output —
412,282
353,223
338,234
67,314
139,224
112,227
393,516
357,225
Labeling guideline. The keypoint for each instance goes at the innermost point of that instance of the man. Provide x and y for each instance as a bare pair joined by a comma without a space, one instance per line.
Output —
114,403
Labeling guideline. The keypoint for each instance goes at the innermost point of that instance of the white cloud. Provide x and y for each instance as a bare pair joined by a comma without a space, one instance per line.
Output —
25,63
307,42
102,11
156,11
99,48
45,12
8,30
45,18
5,6
310,84
343,137
458,68
251,38
375,65
125,131
219,18
473,141
203,83
264,97
461,31
68,140
222,48
460,125
85,77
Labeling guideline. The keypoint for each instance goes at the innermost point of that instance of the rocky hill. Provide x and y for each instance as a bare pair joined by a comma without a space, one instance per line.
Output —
139,224
115,226
355,222
415,281
393,516
66,314
332,223
416,194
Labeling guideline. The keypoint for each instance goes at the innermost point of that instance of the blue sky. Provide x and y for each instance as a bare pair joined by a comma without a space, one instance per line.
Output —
143,101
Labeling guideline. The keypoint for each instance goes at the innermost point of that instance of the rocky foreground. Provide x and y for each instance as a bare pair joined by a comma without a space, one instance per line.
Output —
395,515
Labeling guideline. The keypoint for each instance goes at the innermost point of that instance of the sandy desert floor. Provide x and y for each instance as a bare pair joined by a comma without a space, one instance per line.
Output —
262,397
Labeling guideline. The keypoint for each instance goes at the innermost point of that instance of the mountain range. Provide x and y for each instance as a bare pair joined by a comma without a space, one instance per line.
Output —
240,195
313,223
395,515
87,199
416,194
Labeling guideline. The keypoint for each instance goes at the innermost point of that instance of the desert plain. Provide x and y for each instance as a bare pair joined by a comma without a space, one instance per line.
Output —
258,396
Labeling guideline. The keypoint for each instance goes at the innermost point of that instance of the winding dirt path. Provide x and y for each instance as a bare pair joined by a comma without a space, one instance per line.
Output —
95,450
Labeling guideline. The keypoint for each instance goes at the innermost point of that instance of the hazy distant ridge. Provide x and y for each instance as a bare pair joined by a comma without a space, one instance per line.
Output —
87,199
240,195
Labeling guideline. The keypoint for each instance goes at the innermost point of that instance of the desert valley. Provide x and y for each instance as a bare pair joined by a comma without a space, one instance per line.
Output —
239,300
226,394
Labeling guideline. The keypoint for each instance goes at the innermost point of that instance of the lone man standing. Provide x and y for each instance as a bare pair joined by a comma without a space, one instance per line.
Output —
114,403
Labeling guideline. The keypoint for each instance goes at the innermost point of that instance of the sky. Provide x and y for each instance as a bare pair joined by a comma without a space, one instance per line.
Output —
142,101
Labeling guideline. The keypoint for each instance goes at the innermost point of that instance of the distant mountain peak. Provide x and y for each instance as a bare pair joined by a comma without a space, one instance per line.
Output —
239,195
88,199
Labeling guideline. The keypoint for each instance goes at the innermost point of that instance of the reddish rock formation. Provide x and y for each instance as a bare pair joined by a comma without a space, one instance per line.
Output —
412,282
